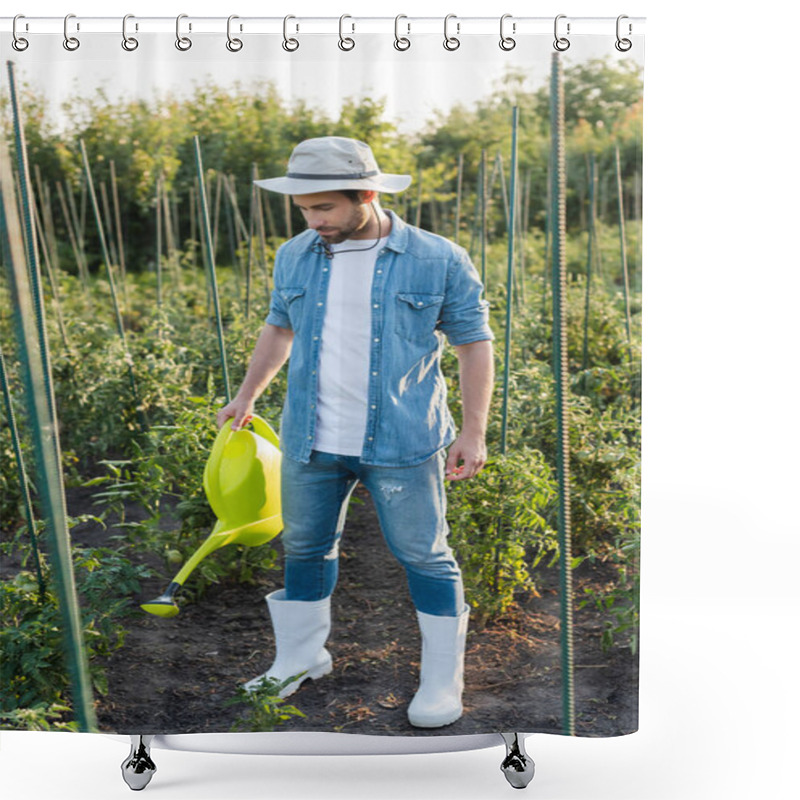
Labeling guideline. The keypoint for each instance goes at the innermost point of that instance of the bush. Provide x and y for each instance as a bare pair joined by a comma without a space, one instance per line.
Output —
502,526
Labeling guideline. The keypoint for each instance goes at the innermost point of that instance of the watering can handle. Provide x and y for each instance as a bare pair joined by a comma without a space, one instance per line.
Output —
211,473
264,429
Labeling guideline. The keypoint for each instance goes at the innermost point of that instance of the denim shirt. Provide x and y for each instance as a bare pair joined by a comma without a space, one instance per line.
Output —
424,288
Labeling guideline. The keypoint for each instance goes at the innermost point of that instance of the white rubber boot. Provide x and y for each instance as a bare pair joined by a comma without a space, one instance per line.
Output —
301,630
441,674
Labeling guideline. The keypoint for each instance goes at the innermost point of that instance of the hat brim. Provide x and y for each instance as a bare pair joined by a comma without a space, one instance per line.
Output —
385,182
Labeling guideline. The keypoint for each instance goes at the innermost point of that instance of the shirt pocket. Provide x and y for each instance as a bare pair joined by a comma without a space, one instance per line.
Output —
417,315
294,303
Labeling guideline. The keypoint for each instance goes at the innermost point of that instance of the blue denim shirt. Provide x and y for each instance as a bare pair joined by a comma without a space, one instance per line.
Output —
424,288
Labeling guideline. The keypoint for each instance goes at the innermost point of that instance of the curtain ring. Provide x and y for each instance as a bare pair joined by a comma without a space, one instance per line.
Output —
345,42
289,44
19,43
451,42
129,43
234,45
401,42
506,42
623,45
183,43
70,42
561,43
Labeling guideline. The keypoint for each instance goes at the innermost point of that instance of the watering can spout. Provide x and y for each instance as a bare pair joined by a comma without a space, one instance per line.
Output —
242,484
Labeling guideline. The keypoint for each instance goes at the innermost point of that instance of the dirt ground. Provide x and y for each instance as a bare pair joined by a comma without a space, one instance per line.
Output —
175,676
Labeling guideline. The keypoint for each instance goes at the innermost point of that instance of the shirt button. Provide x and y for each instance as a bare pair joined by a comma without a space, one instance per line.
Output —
379,271
375,374
373,407
316,338
376,305
319,304
419,302
369,439
376,339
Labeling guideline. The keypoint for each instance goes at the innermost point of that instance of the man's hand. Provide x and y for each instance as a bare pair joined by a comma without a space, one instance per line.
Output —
240,410
466,457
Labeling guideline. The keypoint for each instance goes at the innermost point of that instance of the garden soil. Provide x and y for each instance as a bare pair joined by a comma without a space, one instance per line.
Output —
179,675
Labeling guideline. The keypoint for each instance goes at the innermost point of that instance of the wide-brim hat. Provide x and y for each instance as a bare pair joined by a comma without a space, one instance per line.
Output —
333,163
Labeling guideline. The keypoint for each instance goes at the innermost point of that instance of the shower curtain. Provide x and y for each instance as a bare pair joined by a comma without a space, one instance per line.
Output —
139,267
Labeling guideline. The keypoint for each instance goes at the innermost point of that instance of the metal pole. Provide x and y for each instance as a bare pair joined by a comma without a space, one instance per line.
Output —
509,280
212,272
561,370
41,404
459,182
623,254
589,259
22,475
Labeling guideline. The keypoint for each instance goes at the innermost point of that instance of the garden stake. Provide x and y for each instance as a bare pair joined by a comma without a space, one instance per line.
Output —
418,210
22,475
250,248
509,280
229,224
623,255
482,189
111,282
561,370
103,245
262,235
287,212
193,225
28,235
159,245
118,227
44,426
52,278
459,181
83,273
47,233
212,272
589,257
106,216
80,229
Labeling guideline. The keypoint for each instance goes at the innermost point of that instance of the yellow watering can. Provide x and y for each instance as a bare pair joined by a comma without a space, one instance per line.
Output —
242,484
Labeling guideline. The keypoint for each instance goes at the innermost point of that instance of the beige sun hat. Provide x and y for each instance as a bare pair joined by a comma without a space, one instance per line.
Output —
332,163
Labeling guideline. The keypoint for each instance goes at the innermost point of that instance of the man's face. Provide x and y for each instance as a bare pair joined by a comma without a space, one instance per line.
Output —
333,215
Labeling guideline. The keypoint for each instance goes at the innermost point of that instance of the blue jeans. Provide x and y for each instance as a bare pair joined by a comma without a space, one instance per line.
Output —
410,502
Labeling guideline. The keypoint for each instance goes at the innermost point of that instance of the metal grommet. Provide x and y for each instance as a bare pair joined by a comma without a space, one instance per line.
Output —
623,45
345,42
19,43
506,42
290,44
129,43
561,43
70,42
451,42
233,44
401,43
183,43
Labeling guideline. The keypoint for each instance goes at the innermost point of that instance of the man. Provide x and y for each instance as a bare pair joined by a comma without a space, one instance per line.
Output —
363,301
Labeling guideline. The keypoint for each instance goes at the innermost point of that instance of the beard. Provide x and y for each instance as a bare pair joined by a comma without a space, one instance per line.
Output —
353,224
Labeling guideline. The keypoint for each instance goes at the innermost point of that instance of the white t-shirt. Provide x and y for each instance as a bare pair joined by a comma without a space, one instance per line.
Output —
343,373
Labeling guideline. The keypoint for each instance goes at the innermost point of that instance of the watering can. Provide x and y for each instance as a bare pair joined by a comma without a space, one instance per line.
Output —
242,483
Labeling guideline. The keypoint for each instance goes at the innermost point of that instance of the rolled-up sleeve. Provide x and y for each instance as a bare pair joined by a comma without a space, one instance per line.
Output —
278,314
465,313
